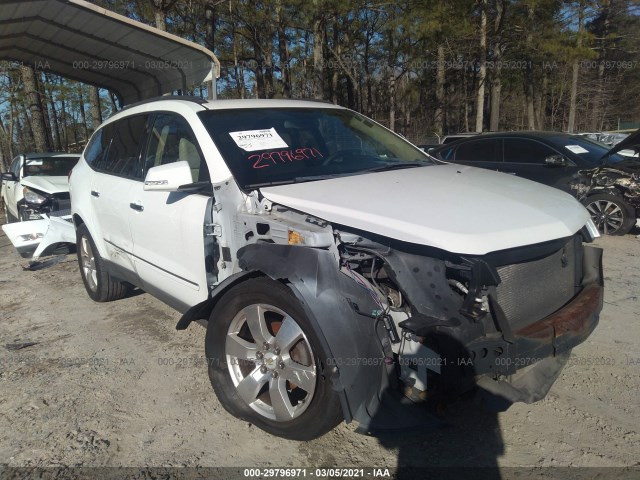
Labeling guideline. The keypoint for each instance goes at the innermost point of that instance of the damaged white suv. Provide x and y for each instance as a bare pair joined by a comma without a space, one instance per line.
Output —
344,274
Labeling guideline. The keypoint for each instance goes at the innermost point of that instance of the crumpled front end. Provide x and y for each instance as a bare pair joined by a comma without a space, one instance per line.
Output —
407,324
505,322
621,179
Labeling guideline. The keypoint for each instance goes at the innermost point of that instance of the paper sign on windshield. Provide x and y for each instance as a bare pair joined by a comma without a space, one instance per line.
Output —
252,140
576,149
35,163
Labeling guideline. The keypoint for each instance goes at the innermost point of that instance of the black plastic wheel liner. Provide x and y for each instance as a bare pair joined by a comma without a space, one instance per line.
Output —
332,300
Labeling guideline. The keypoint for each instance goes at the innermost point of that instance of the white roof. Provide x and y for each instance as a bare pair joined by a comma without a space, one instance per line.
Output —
84,42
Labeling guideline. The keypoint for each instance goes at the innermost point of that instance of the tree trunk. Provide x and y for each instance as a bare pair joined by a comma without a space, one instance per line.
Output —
599,100
283,52
482,71
57,144
496,78
64,140
45,109
438,117
392,99
528,74
96,112
210,18
318,58
83,115
571,124
38,125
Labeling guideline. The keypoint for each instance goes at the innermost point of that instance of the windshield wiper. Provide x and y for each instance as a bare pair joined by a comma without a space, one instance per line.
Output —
397,166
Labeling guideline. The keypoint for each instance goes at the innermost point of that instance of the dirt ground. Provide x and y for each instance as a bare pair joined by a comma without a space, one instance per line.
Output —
116,385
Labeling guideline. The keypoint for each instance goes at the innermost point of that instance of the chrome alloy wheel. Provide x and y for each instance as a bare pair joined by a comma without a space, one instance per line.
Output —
270,362
607,216
88,264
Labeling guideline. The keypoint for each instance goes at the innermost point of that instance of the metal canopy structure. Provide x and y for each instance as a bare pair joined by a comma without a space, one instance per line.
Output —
84,42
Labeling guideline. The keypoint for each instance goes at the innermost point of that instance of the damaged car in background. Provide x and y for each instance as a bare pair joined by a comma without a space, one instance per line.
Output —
37,184
342,273
611,191
555,159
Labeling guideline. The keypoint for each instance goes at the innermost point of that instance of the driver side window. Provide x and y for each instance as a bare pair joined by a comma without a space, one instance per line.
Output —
172,140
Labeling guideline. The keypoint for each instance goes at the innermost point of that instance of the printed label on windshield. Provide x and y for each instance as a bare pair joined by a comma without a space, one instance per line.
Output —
35,163
576,149
252,140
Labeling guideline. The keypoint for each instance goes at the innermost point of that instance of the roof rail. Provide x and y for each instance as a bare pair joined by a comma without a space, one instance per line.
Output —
186,98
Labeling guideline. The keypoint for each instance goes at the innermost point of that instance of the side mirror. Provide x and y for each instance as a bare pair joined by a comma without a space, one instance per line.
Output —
555,161
9,177
168,178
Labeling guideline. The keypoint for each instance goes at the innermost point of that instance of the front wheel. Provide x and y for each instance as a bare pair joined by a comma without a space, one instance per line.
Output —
266,363
97,281
611,214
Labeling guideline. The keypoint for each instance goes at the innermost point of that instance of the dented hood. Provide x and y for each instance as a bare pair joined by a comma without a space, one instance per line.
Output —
455,208
47,184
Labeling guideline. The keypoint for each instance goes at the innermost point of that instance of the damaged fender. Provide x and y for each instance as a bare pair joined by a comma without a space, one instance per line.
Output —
342,315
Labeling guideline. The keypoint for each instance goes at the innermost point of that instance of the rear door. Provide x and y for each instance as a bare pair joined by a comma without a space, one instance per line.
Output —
168,227
119,172
526,158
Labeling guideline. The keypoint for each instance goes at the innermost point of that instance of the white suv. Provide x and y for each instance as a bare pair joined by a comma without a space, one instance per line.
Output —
338,266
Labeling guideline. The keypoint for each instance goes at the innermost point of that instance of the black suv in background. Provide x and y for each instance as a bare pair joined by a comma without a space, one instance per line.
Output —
556,159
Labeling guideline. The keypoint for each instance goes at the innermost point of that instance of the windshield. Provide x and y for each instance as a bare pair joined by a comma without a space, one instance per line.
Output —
589,150
49,166
288,145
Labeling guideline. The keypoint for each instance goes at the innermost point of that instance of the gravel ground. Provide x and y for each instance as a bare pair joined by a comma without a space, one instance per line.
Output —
116,385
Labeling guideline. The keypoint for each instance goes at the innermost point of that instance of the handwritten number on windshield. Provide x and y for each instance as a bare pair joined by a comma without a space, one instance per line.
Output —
267,159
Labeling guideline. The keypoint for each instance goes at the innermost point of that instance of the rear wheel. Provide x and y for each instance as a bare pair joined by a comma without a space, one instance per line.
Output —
611,214
97,281
266,364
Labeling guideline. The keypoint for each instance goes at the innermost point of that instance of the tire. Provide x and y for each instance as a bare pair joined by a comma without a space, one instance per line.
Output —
97,281
262,390
610,213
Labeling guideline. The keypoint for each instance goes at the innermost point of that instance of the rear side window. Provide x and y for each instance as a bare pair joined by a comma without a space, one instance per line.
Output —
478,151
97,148
123,156
522,150
116,147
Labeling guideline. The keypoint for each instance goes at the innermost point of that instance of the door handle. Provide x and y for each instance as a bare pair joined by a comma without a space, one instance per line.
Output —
137,207
95,194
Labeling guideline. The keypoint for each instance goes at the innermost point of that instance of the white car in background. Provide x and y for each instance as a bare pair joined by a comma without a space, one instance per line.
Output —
36,184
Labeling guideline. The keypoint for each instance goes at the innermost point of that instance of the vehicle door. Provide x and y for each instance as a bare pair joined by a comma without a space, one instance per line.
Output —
168,227
539,162
481,153
119,171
